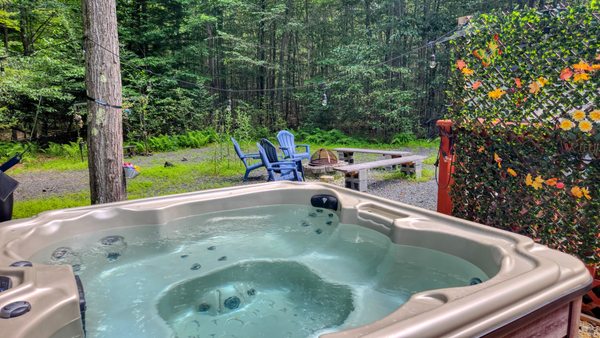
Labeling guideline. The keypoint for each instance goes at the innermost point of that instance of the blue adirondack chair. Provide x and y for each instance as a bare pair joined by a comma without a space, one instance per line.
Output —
288,146
245,157
279,171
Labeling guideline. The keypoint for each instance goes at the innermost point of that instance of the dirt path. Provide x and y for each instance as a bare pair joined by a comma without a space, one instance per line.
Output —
40,184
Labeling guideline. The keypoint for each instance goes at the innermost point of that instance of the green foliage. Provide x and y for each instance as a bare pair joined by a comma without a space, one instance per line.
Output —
326,137
10,149
527,137
162,143
403,138
70,150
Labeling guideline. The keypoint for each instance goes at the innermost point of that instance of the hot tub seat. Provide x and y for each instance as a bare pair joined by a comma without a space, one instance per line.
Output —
525,276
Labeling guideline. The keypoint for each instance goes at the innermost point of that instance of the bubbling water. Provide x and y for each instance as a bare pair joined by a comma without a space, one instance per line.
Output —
289,270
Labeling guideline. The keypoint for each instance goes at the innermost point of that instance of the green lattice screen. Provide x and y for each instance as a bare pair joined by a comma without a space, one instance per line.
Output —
525,100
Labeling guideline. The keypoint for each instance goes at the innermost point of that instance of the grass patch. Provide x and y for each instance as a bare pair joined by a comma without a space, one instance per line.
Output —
158,180
431,159
43,163
426,175
34,206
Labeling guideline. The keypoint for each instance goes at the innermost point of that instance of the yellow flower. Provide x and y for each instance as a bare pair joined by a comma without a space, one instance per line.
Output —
467,72
595,115
511,172
580,77
542,81
586,193
534,87
595,66
528,180
582,66
566,124
578,115
576,191
585,126
496,94
537,184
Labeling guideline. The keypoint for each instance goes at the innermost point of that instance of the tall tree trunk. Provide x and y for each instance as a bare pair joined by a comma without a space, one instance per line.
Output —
24,30
103,83
5,37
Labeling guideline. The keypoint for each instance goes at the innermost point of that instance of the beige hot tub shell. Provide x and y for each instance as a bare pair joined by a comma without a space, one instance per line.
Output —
526,276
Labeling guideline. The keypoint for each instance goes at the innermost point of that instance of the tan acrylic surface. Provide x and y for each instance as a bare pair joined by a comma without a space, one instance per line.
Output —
526,276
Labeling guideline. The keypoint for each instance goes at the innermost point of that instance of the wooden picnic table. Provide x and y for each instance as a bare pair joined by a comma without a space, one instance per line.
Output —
347,154
356,174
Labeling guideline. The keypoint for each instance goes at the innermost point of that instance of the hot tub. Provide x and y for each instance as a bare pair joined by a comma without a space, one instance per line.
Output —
290,259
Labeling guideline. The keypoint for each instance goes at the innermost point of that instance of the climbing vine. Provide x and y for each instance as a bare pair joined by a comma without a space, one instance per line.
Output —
525,102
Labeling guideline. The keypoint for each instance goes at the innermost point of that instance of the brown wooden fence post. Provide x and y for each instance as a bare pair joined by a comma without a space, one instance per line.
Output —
445,160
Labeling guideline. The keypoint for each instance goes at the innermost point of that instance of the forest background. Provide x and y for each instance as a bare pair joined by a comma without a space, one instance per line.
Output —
360,66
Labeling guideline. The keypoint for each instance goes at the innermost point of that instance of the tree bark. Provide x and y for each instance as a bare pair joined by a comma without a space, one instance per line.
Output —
103,83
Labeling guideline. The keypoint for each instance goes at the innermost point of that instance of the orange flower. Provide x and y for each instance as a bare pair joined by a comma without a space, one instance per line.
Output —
586,193
566,74
511,172
460,64
576,191
581,77
467,72
582,66
476,85
481,149
542,81
528,180
496,94
552,181
596,66
534,87
537,184
498,160
476,54
518,82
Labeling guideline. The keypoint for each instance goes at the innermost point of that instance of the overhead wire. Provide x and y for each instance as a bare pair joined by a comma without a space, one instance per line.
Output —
439,39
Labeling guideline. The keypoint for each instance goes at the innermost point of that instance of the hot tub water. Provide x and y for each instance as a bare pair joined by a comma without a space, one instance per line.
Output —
284,270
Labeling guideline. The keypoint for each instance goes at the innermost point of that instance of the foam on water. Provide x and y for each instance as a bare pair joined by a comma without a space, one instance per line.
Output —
283,270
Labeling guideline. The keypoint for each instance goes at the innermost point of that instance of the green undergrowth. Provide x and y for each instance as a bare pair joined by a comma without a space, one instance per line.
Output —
426,175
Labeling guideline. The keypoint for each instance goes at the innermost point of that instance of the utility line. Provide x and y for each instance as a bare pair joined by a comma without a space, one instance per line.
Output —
442,38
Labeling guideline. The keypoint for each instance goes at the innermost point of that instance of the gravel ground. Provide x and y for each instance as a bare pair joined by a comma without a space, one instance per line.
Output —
588,330
57,183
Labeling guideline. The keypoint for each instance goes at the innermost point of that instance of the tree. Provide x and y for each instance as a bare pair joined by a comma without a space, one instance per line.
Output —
103,83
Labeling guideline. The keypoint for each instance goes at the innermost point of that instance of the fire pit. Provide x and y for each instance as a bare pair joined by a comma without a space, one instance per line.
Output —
322,161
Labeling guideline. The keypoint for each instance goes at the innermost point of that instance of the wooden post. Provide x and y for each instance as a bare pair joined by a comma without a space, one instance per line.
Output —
103,83
446,157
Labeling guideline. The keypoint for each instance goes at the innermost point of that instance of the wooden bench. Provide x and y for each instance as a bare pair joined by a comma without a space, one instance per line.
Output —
356,174
347,154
